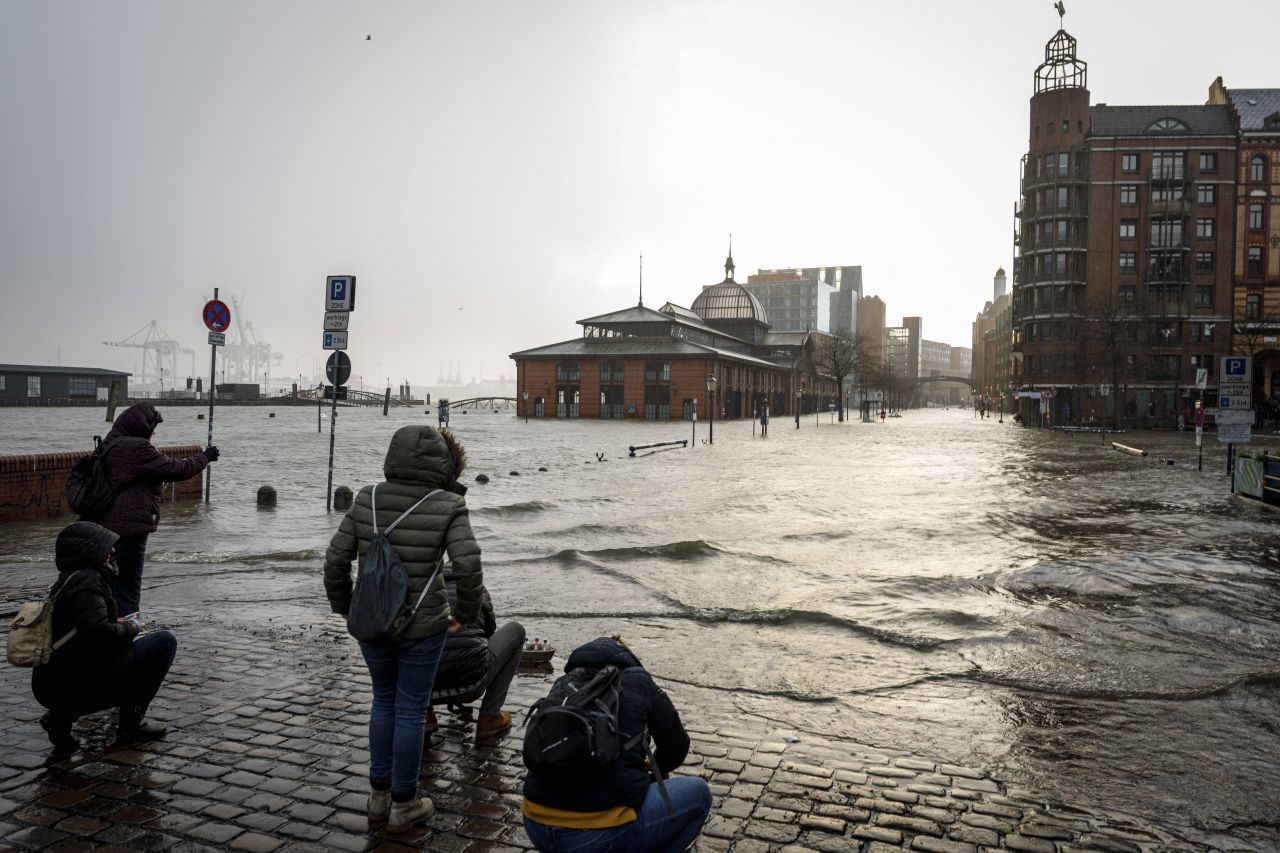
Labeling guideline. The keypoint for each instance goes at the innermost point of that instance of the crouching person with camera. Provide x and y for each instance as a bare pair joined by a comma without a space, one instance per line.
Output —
593,783
98,661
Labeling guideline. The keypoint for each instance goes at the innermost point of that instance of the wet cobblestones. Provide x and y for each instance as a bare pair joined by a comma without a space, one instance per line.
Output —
266,752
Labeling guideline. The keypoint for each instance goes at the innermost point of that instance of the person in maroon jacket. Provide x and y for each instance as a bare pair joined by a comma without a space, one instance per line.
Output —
137,472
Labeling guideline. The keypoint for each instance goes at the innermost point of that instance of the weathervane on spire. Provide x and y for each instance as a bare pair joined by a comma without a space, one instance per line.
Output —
1062,12
642,279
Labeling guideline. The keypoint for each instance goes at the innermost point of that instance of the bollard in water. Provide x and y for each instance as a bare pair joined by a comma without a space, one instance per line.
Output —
482,478
542,469
113,397
272,415
515,473
342,498
200,416
266,496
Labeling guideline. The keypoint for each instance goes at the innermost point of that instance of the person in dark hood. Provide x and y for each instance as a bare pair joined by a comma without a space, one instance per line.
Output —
137,472
422,468
626,810
100,661
480,660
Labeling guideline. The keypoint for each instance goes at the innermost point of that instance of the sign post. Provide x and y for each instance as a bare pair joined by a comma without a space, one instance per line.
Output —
339,302
217,318
1235,406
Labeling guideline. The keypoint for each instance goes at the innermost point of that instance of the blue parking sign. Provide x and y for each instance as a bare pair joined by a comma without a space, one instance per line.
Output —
340,293
1236,367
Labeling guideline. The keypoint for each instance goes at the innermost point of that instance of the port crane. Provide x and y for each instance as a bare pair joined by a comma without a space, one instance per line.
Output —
160,353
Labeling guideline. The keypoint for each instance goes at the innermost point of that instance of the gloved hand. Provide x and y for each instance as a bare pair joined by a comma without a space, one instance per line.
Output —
211,453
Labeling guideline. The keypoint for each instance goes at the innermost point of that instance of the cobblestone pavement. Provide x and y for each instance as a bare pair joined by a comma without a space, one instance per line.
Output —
266,752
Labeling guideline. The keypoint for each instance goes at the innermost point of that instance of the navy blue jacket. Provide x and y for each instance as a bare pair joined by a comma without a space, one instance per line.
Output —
642,704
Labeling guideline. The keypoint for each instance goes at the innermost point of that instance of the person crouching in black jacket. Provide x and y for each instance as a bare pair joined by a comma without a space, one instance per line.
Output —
626,811
101,661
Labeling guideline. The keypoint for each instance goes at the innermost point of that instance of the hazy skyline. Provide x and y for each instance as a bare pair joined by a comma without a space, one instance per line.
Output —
492,170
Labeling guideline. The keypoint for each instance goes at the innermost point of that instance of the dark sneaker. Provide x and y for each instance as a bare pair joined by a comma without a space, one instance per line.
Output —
59,734
143,731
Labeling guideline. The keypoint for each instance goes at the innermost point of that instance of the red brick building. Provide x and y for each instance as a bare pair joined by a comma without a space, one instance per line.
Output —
660,364
1123,283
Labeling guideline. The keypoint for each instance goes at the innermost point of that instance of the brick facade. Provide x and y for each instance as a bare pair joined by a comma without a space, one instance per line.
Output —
31,484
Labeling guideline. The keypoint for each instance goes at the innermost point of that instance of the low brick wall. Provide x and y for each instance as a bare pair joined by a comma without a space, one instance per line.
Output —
31,484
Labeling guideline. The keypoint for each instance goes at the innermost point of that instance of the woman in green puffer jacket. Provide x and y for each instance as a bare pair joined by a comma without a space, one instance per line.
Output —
421,462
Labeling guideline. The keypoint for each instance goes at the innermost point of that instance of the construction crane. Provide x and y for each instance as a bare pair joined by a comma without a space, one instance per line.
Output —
246,357
159,353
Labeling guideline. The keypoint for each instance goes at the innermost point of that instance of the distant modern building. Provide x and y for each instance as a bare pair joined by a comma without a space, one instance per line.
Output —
670,363
871,327
992,342
39,384
801,299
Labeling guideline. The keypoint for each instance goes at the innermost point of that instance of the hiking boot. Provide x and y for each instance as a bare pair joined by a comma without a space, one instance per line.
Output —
379,806
139,733
59,732
403,816
432,725
492,725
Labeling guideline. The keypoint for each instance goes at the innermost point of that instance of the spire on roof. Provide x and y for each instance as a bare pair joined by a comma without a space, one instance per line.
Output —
728,262
642,279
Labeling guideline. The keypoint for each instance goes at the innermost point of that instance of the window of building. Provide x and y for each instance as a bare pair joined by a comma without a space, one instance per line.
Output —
1204,261
1255,217
1126,294
567,371
1128,261
1128,229
657,372
1038,171
1166,125
1252,307
1128,194
611,371
1204,229
1066,126
1208,162
82,386
1206,193
1060,264
1257,169
33,386
1253,264
1166,165
2,382
1166,193
657,402
1128,162
1166,232
1204,296
1062,198
1208,332
1165,366
1064,164
1061,226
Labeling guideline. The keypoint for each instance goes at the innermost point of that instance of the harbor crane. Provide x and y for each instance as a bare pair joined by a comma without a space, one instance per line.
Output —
160,353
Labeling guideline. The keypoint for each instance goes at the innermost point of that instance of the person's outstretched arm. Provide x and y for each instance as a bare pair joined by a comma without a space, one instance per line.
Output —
154,465
671,742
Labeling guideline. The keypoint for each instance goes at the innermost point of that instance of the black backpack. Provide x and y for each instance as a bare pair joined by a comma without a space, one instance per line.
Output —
379,600
89,493
573,731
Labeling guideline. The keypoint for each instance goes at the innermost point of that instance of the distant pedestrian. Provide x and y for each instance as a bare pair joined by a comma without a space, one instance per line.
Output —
422,468
137,472
478,661
619,807
102,661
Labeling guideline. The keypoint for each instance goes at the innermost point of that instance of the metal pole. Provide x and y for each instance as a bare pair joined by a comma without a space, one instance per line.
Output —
213,393
711,425
693,435
319,409
333,423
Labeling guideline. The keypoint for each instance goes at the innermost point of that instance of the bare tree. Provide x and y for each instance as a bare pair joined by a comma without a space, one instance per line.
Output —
841,357
1106,338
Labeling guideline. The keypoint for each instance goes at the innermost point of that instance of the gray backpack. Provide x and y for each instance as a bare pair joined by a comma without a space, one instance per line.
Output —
379,603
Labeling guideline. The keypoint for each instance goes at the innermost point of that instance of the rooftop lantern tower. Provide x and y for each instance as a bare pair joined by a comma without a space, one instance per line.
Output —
1061,68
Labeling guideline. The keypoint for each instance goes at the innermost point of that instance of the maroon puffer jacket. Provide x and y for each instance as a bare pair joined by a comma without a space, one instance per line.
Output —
137,471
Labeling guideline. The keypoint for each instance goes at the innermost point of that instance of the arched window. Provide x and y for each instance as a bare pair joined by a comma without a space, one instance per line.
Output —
1167,125
1257,169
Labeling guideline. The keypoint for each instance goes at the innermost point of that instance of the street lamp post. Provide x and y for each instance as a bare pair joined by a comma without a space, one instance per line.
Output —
799,394
711,399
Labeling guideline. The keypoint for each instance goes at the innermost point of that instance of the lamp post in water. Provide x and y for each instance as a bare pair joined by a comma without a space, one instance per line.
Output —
711,399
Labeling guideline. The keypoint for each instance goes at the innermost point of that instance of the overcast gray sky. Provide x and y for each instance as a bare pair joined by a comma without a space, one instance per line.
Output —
492,170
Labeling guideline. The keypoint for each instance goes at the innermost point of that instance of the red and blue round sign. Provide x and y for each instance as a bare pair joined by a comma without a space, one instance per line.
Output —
217,316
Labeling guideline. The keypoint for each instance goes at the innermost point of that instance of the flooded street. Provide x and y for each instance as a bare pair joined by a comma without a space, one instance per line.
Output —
1099,627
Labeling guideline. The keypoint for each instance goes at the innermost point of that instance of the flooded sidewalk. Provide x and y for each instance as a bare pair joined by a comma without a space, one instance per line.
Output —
266,752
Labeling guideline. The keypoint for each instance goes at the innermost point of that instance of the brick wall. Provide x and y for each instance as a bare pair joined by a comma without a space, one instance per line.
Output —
31,484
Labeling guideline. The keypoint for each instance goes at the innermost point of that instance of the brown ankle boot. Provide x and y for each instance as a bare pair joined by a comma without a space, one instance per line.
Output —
492,725
431,724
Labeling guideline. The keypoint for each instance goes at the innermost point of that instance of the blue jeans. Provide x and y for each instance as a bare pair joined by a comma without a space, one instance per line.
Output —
127,587
653,829
402,675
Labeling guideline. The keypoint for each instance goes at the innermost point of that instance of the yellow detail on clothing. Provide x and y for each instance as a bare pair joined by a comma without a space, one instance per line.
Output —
565,819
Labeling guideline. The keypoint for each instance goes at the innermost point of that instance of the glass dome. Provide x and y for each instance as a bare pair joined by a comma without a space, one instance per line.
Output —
728,300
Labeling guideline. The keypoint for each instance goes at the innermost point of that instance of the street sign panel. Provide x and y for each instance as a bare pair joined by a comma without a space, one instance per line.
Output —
336,321
1242,401
217,339
1236,381
1235,417
335,340
216,315
1234,433
340,293
1202,377
338,368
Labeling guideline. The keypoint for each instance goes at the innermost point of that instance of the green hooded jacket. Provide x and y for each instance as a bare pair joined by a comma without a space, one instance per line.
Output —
418,461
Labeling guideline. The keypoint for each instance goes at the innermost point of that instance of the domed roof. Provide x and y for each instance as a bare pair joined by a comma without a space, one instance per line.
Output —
728,300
